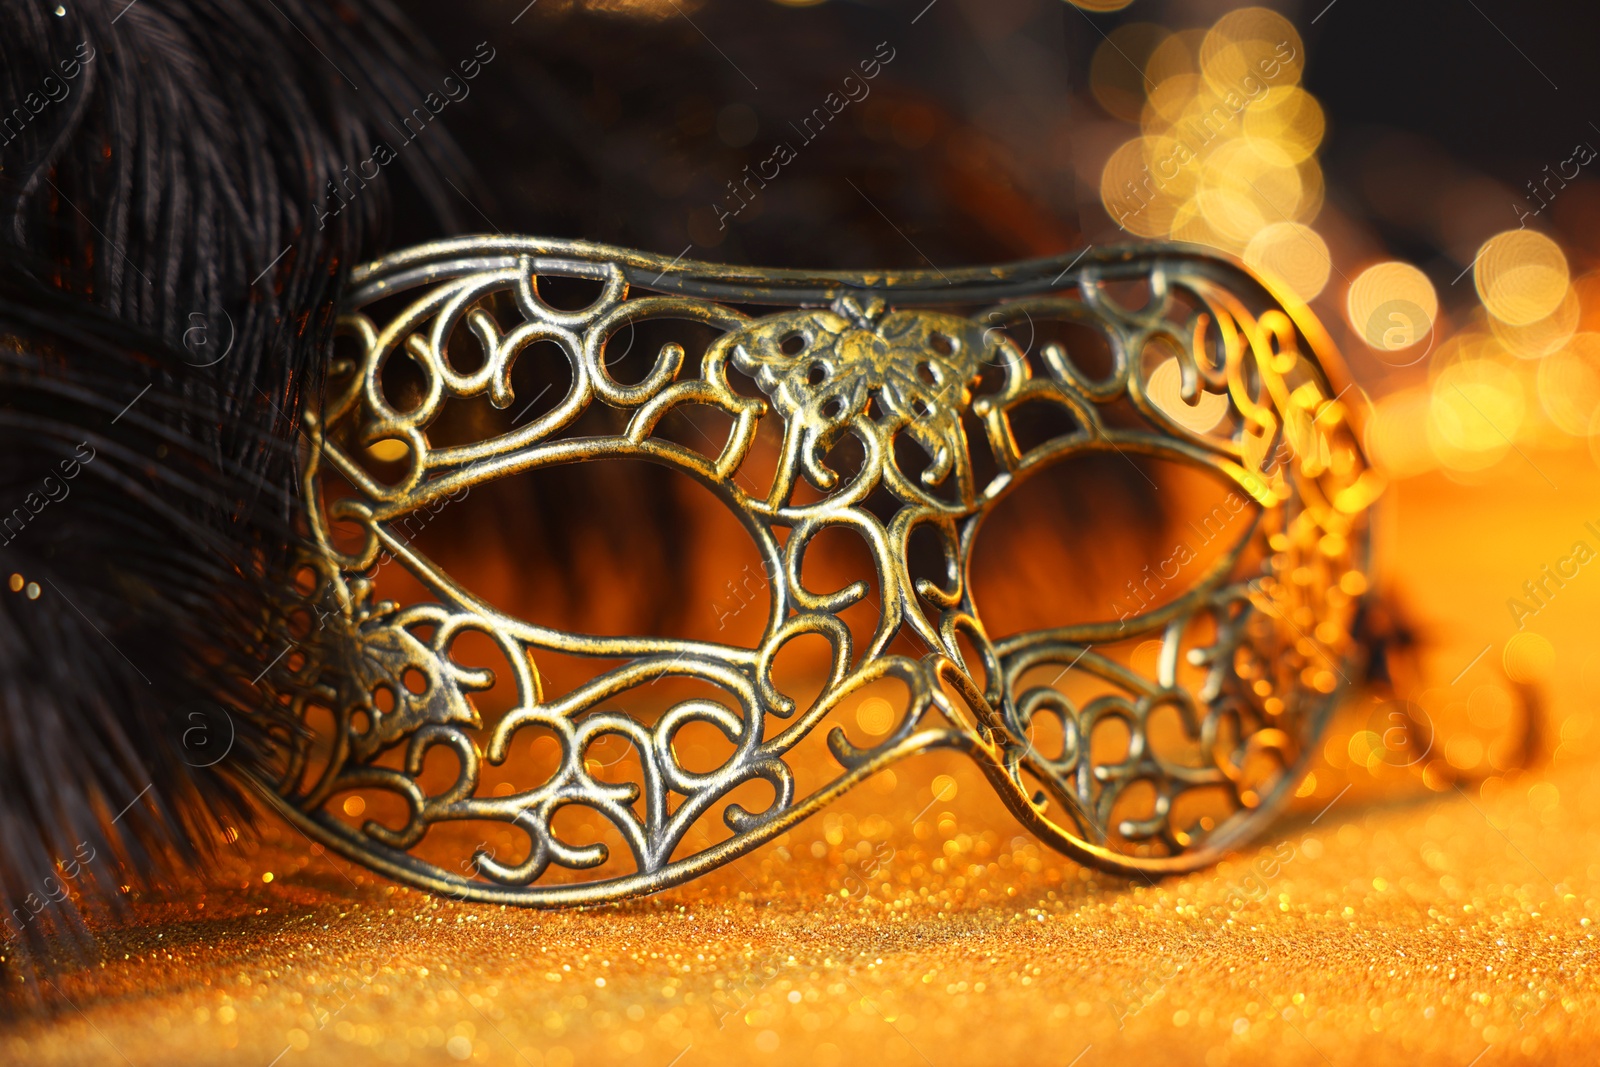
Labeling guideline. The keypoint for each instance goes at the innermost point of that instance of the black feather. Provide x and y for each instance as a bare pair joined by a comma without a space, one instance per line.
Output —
166,293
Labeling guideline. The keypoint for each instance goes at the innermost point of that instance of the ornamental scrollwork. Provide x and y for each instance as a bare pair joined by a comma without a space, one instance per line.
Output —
1250,654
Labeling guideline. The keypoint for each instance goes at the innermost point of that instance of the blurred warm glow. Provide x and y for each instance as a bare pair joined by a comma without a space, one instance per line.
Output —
1477,408
1392,437
1244,185
1228,139
1521,276
1225,155
1166,392
1174,58
1529,657
1569,384
1293,252
1392,306
1286,121
1242,41
875,716
1124,172
1542,336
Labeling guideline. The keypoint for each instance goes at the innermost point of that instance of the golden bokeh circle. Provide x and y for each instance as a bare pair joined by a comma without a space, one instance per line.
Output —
1175,56
1131,195
1229,138
1312,191
1537,339
1529,657
1294,253
1169,100
1521,276
1251,46
1569,384
1392,306
1290,119
875,716
1232,214
1476,410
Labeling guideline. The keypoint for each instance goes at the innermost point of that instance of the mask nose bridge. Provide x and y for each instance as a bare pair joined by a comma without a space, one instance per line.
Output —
985,718
981,700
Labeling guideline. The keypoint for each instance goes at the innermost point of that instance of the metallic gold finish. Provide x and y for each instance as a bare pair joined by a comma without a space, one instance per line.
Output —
1251,653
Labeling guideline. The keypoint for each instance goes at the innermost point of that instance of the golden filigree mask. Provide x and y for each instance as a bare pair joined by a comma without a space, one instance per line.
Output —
924,376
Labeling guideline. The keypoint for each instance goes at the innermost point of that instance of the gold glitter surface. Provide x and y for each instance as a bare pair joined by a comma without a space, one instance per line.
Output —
1388,923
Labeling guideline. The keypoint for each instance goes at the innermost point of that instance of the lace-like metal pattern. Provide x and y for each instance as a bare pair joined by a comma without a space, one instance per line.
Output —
1252,652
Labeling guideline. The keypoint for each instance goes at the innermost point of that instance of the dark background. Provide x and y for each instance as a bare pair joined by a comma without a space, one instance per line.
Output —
978,141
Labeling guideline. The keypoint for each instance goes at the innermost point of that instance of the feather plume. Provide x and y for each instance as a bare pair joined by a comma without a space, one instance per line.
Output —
167,281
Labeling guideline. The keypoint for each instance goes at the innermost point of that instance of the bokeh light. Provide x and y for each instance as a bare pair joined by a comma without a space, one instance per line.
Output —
1391,433
1529,657
1293,252
875,716
1248,44
1521,276
1542,336
1392,306
1228,139
1288,121
1226,155
1476,410
1569,384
